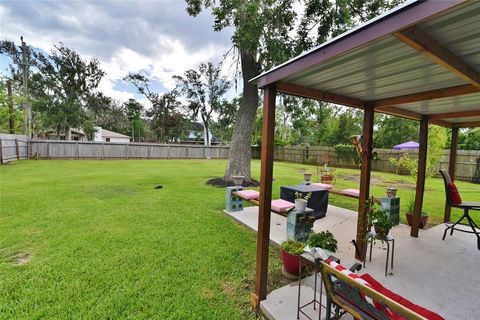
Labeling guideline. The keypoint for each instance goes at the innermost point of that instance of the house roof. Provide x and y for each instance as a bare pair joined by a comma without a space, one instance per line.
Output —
111,134
420,59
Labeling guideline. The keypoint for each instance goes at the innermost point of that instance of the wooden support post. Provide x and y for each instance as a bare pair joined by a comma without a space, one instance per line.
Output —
78,151
48,150
366,166
17,149
1,151
422,164
103,152
451,168
126,151
264,211
149,151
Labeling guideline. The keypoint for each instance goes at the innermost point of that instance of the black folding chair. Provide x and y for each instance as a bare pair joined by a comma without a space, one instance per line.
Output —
466,206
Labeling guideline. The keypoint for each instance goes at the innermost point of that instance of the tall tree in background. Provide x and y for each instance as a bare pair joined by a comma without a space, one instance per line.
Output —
223,127
394,130
165,118
203,89
63,83
133,110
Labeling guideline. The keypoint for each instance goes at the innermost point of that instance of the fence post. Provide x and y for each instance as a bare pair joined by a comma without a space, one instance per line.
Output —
48,150
103,151
17,149
188,153
126,151
1,151
149,151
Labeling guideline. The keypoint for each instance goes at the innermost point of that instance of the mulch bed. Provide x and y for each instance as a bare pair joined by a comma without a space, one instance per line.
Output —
220,183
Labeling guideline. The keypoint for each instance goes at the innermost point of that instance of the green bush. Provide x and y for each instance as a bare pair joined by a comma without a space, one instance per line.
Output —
293,247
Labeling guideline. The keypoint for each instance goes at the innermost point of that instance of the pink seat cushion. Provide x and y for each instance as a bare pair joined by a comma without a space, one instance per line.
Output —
281,205
351,192
248,194
323,185
401,300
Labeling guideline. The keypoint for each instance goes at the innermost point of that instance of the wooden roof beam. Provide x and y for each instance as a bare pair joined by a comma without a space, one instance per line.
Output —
427,95
422,42
455,115
393,111
304,92
472,124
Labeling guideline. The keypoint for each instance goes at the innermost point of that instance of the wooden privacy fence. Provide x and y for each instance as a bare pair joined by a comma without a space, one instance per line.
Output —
50,149
465,169
13,147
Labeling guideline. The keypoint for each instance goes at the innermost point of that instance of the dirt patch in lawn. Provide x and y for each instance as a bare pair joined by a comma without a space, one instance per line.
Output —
220,183
378,181
21,258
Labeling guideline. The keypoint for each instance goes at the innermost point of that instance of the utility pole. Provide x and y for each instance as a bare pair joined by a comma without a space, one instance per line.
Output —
26,108
11,120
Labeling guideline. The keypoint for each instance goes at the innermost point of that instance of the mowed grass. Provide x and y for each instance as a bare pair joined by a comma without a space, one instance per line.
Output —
95,240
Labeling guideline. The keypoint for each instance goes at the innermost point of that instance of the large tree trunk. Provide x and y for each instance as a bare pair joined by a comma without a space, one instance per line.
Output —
240,150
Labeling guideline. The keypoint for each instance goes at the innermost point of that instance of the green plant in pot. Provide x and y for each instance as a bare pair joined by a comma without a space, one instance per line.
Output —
301,200
324,239
379,219
409,213
290,253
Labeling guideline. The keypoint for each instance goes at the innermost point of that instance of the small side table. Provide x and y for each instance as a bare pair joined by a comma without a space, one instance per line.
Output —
371,236
307,259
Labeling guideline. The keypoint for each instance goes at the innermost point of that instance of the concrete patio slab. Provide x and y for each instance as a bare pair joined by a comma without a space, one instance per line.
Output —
439,275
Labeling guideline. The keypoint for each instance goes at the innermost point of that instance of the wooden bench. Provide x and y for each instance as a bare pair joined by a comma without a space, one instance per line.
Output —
365,298
349,193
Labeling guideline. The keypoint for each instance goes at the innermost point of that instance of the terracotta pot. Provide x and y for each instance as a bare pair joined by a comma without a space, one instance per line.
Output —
423,221
291,262
381,232
301,205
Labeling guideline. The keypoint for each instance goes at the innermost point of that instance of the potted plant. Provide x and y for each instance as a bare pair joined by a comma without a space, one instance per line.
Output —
290,252
409,213
379,219
301,200
324,239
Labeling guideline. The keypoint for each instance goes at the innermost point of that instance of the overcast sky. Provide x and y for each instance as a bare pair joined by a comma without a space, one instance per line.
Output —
157,37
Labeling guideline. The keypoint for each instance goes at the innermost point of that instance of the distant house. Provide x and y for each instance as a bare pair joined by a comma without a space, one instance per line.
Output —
76,135
110,136
196,135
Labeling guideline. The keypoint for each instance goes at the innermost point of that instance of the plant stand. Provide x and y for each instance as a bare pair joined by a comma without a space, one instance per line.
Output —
299,224
371,237
307,259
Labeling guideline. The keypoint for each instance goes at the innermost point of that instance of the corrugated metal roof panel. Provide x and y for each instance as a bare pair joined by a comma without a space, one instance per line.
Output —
452,104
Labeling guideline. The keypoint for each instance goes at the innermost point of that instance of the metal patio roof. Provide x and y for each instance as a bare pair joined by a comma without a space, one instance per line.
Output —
422,58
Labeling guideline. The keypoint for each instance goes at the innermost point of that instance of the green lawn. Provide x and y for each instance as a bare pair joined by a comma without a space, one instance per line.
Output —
94,239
